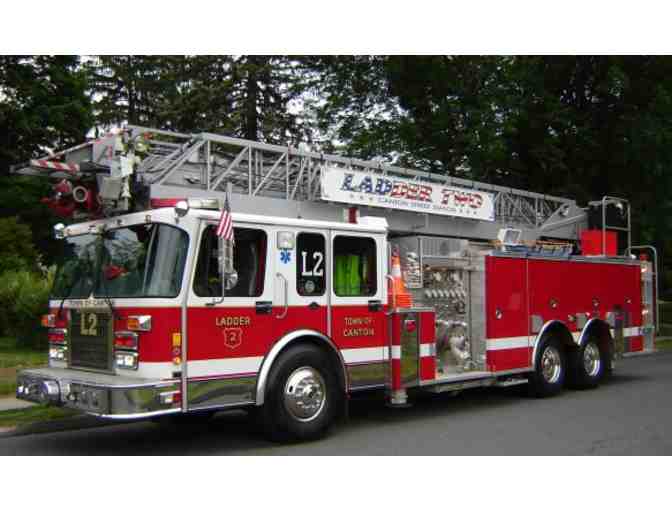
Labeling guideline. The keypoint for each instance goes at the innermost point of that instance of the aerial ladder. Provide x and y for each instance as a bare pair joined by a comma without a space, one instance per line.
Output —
135,168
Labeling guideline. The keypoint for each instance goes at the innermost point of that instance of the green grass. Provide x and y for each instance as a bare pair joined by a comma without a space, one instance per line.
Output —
664,344
34,414
666,312
14,358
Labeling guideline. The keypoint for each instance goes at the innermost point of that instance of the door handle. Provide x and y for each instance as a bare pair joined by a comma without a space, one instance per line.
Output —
263,307
286,296
375,305
314,305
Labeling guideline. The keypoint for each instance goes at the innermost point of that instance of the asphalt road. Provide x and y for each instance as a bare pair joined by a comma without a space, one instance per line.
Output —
629,415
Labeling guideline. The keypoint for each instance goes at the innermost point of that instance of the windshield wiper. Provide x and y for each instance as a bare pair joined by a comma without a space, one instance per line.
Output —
67,295
106,296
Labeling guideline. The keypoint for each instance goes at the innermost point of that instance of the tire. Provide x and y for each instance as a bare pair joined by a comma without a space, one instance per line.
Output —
303,370
587,365
549,375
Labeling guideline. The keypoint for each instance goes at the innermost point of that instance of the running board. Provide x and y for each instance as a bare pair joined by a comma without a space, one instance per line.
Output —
461,385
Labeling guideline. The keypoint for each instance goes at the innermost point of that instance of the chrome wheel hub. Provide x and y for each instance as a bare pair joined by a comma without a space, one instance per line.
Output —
305,394
551,366
591,359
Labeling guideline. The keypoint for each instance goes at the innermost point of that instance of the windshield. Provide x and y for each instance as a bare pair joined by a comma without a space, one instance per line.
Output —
138,261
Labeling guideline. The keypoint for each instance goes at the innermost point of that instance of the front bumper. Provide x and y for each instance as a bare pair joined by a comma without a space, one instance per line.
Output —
103,395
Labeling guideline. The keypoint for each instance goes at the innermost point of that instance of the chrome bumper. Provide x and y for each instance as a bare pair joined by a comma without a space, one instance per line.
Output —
103,395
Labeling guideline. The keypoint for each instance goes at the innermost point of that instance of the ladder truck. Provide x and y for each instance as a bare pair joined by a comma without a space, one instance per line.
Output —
342,276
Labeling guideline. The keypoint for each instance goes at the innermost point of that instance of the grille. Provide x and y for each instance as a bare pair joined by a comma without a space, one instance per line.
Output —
90,340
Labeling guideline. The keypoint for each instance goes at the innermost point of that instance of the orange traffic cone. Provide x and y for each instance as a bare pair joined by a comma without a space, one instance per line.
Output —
398,296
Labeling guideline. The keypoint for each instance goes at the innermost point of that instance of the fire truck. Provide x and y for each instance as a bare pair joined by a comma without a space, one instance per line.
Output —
342,276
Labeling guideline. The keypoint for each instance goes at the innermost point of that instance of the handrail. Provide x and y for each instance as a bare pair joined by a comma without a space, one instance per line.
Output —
286,306
655,274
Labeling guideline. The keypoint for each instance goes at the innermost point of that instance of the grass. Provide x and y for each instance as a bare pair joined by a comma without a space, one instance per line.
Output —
34,414
666,312
664,344
14,358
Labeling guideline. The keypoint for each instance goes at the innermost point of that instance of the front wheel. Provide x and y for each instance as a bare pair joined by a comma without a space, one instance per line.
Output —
303,395
549,375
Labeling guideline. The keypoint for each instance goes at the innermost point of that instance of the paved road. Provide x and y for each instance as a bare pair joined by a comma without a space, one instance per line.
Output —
631,414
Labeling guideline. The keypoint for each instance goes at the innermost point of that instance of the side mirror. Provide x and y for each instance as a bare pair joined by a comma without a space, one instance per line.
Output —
230,280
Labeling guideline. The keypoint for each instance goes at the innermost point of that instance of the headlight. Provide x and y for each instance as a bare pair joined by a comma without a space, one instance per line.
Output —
58,353
127,360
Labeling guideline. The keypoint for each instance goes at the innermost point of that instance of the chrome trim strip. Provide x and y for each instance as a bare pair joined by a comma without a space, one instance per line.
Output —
514,371
370,387
278,347
233,405
139,416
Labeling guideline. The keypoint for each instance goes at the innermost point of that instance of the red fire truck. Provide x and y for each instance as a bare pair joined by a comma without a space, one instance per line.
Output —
342,276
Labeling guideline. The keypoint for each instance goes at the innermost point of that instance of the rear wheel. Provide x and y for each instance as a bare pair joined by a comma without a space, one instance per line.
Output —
302,397
587,365
549,374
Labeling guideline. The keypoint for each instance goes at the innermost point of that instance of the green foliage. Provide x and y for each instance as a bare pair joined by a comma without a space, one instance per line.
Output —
43,103
24,297
245,96
576,126
34,414
16,246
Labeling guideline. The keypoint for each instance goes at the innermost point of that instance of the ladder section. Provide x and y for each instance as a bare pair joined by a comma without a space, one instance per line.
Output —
207,162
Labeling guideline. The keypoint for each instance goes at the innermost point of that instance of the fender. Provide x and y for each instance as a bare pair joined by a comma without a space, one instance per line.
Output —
279,346
540,335
584,333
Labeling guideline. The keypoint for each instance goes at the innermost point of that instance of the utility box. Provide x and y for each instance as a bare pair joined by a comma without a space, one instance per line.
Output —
591,243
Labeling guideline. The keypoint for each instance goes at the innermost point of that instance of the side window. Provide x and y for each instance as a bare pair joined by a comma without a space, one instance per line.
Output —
249,261
354,266
310,275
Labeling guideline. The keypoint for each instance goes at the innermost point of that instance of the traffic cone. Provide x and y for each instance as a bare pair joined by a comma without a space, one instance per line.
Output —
398,296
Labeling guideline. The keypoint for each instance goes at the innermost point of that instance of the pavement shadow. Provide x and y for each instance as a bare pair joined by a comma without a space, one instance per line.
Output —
232,433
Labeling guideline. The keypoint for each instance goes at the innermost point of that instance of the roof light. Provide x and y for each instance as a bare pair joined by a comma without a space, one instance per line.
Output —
182,208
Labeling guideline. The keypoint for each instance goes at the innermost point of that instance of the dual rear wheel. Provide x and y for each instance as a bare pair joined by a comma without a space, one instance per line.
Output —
556,366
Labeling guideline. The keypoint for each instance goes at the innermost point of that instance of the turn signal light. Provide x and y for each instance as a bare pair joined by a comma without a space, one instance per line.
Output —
49,320
139,323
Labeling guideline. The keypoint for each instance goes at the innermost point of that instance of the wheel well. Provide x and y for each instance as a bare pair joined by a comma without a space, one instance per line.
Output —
300,338
599,330
556,329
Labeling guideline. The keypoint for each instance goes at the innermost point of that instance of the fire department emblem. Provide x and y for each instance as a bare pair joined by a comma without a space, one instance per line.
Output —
233,337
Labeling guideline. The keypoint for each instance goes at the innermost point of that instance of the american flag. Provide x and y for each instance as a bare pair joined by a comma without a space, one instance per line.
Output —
225,225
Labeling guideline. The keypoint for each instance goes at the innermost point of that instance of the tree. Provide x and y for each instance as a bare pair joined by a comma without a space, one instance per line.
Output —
43,104
17,251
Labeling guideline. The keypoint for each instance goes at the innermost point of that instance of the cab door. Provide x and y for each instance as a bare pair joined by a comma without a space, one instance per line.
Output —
358,297
306,282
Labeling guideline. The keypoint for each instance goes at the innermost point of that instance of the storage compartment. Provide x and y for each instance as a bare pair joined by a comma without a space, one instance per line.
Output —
591,243
447,275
